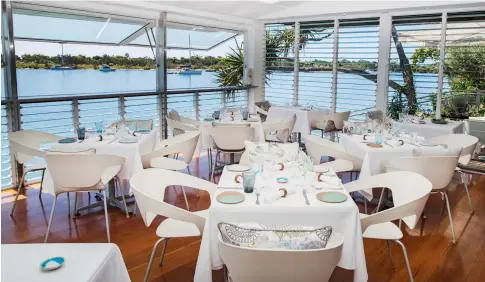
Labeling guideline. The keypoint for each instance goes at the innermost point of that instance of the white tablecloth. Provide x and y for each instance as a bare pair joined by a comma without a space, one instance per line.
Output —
83,262
303,118
373,157
132,153
343,217
430,129
206,141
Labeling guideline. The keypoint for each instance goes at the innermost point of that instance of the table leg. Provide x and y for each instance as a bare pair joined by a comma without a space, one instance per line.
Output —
112,201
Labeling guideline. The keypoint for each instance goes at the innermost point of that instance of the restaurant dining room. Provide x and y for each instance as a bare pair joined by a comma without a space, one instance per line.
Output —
243,141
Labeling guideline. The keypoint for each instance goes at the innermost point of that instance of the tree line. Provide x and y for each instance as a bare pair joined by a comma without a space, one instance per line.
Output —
39,61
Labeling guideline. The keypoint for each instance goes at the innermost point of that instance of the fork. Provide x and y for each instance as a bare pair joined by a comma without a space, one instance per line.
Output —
306,198
257,196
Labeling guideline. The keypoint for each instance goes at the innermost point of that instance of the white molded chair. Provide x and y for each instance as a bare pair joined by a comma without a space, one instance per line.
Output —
149,187
178,124
282,130
25,145
146,124
81,173
229,139
438,170
267,265
468,143
410,192
320,122
318,147
185,143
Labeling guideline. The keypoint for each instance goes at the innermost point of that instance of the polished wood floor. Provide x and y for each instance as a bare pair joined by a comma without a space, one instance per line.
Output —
433,256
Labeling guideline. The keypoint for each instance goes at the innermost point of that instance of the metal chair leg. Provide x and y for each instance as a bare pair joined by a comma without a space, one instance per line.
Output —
185,198
214,166
380,200
41,183
390,253
449,215
117,183
407,260
19,189
68,205
106,215
163,251
365,205
50,219
151,259
465,183
134,208
74,212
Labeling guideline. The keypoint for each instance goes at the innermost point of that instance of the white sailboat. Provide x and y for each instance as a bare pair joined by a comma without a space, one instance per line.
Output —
187,69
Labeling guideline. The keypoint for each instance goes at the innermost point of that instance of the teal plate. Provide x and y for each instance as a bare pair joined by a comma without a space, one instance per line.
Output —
67,140
332,197
144,130
52,263
230,197
209,119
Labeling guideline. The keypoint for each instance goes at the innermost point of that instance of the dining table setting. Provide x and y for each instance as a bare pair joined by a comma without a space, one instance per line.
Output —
280,188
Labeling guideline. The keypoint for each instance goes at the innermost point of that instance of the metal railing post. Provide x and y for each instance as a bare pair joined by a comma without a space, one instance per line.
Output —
296,64
335,65
196,106
122,108
441,66
75,115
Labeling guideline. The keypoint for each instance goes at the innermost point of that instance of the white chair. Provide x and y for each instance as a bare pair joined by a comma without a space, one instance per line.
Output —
179,125
185,143
81,173
320,121
25,146
410,192
438,170
468,144
146,124
267,265
149,189
317,148
282,130
229,139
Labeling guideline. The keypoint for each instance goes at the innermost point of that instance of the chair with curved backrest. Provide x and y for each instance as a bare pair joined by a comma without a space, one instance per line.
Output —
261,265
439,170
185,143
318,147
149,187
468,143
229,139
25,145
141,124
410,192
282,130
320,122
81,173
178,124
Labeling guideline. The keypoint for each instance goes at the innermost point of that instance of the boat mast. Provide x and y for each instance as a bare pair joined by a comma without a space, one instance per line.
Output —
62,56
190,53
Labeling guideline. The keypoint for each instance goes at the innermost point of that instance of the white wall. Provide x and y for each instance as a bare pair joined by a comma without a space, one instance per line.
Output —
317,8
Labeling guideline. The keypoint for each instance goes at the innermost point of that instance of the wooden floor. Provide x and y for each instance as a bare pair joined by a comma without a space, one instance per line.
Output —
433,257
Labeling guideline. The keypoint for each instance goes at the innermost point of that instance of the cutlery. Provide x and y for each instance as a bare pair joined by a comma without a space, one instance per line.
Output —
257,196
387,143
112,141
306,198
232,188
80,141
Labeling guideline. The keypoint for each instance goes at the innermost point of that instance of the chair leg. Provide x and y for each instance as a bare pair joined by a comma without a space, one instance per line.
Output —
365,205
209,161
185,198
151,259
407,260
68,205
50,219
214,166
41,183
380,200
465,183
449,215
134,208
74,212
390,253
21,185
117,181
106,215
163,251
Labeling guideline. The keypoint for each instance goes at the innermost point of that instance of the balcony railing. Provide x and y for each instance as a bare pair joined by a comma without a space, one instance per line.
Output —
62,115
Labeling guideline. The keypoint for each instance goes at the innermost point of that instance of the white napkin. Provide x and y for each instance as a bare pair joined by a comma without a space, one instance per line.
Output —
329,181
129,138
273,196
396,142
232,185
368,137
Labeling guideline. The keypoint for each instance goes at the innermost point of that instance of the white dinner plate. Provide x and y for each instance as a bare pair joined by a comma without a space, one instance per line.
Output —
428,144
128,141
237,168
321,169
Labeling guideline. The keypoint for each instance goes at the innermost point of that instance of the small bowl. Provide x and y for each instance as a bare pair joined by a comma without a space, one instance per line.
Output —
282,180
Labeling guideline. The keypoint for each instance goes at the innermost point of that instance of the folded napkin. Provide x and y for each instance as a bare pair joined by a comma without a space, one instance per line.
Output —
329,180
396,142
273,196
368,137
129,138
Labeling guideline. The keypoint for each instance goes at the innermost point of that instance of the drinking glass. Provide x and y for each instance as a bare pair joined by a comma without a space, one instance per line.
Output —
81,133
255,162
133,126
99,126
249,178
379,137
